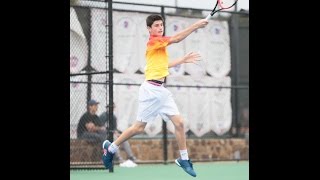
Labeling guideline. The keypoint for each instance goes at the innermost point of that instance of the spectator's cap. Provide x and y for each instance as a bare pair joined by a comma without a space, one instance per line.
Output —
92,102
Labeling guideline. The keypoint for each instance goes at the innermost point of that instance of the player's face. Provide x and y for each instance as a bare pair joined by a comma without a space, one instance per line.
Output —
157,28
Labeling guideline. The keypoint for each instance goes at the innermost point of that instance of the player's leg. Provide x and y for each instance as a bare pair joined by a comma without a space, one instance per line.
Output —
184,160
126,147
136,128
177,121
149,104
109,149
170,111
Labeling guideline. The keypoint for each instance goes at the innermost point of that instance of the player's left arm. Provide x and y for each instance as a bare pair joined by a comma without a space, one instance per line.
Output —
191,57
186,32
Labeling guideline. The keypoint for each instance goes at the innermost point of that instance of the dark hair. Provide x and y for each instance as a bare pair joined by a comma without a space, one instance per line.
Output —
152,18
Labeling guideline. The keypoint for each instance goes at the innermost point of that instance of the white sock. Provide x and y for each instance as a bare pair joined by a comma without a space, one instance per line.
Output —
113,148
184,154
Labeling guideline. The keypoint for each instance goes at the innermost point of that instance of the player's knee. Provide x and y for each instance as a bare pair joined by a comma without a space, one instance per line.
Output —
141,129
138,129
179,125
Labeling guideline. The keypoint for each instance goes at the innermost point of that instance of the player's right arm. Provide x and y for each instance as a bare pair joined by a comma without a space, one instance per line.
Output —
186,32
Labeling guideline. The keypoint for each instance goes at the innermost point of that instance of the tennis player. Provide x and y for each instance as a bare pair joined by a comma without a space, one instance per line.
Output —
154,98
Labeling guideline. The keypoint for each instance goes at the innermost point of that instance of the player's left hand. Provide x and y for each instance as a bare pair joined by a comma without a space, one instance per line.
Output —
191,57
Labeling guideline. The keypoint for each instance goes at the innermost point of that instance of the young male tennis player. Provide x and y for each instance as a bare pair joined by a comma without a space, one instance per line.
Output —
154,98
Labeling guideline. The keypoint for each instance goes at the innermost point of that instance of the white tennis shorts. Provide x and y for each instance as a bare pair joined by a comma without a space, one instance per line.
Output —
155,100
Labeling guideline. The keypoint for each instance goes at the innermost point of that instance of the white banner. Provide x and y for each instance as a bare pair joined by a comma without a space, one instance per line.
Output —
196,42
222,117
221,114
218,49
78,95
126,99
99,39
143,38
75,24
125,30
203,109
222,94
78,44
199,107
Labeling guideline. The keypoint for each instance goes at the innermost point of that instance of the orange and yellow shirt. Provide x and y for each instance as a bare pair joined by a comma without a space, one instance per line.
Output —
157,57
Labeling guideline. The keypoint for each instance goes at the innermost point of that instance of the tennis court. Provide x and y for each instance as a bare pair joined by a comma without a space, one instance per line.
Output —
205,170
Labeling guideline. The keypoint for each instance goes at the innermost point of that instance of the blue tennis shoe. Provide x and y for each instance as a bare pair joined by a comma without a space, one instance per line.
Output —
186,165
107,156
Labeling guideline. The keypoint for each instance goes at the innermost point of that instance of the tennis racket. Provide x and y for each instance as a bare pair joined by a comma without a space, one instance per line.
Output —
221,4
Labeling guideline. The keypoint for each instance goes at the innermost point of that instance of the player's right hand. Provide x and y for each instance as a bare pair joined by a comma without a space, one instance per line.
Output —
202,23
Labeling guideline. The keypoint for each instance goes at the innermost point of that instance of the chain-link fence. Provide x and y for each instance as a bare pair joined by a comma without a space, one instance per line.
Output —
214,103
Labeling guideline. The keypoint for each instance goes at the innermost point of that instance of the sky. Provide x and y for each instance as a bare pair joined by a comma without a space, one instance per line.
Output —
200,4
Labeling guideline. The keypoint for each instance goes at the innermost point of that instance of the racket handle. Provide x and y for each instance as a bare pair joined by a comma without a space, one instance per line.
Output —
208,17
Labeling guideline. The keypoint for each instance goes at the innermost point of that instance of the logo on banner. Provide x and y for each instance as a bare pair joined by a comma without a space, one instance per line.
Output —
217,31
73,61
175,27
177,68
126,24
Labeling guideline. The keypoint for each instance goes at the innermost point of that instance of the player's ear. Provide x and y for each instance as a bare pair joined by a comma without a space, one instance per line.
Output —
149,29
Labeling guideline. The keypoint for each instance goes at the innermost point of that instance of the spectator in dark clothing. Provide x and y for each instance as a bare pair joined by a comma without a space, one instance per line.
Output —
89,126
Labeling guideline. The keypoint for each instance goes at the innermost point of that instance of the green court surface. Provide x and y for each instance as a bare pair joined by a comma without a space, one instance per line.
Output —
205,171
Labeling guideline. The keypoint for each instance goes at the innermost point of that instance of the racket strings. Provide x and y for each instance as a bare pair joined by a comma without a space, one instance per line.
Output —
224,4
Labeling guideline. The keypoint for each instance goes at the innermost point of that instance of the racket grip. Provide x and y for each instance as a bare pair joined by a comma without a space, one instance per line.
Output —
208,17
